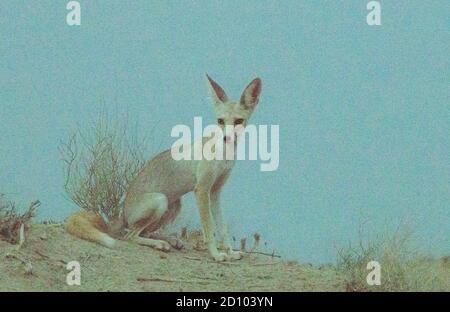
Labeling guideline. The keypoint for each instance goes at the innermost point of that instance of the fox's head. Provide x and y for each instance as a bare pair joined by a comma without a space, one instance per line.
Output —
232,116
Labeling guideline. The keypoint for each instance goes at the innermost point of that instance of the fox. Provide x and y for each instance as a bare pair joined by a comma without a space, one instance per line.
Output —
153,198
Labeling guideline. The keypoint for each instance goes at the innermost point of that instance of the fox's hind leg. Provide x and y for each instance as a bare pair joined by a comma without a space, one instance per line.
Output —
172,212
145,213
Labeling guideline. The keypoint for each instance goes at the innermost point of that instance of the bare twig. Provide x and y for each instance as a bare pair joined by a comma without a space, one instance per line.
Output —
243,243
169,280
256,241
21,236
43,255
273,255
226,263
192,258
184,233
28,267
268,263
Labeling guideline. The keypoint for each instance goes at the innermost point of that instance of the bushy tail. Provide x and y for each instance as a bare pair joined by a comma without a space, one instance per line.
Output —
89,226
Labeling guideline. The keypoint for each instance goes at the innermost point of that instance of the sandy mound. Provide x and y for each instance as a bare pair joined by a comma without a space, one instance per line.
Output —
40,265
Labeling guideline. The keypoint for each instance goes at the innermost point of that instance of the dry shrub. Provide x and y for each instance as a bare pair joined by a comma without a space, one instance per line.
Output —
11,220
402,267
99,164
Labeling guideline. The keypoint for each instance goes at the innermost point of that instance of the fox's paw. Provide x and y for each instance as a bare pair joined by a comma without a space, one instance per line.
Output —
235,255
162,245
175,243
220,257
229,256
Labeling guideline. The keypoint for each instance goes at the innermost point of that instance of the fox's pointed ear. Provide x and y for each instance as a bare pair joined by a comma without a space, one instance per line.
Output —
250,96
217,92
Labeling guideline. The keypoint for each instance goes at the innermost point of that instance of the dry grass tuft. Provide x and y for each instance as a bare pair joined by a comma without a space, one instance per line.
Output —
402,267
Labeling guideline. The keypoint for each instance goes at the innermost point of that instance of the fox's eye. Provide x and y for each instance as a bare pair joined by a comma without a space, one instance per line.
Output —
220,121
239,121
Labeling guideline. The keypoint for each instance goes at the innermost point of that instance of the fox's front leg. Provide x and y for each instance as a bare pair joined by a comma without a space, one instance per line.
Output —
224,238
203,202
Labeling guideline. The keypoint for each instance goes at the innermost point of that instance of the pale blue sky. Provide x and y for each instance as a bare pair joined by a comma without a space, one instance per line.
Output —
363,111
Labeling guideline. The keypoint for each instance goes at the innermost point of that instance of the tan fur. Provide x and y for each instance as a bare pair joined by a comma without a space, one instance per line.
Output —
89,226
154,197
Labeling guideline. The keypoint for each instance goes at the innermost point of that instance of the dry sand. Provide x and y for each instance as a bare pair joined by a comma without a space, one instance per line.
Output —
40,265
